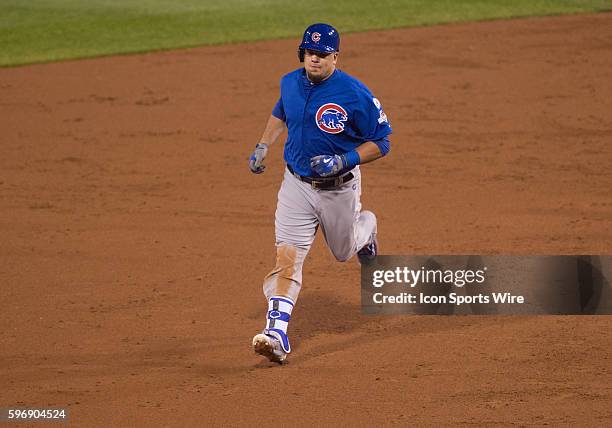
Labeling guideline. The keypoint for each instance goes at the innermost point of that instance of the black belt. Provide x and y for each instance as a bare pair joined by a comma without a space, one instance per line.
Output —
324,182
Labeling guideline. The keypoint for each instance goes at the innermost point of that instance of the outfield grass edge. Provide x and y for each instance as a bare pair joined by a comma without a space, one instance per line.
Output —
138,51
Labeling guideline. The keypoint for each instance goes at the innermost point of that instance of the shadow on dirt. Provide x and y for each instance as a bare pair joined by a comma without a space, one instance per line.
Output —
323,312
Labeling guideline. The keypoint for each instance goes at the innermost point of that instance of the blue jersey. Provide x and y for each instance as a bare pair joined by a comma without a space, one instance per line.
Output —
332,117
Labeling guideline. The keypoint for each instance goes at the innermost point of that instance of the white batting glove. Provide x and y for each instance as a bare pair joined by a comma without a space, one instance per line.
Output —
256,160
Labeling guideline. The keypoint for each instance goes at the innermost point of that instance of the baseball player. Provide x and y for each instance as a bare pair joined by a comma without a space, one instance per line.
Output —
334,124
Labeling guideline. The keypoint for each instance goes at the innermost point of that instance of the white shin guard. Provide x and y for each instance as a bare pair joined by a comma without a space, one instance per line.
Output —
279,314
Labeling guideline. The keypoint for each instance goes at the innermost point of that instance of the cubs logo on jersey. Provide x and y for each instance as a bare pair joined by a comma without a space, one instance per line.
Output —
331,117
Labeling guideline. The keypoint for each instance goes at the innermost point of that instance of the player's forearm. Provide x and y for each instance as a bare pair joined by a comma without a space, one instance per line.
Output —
325,165
368,152
274,128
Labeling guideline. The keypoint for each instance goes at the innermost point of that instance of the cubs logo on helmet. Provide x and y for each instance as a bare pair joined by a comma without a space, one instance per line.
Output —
331,117
321,38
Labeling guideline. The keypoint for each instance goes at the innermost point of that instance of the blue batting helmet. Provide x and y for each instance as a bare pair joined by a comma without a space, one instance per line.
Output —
320,38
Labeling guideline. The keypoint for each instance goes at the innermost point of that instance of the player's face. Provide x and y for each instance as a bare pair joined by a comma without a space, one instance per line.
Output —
319,65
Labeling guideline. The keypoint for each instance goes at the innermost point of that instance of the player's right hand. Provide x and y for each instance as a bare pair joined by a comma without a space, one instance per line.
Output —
256,160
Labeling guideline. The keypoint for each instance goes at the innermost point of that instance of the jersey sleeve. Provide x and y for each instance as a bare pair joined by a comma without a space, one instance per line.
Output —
384,145
370,121
279,111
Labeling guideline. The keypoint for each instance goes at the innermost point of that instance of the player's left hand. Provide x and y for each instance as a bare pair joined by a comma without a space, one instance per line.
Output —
256,160
325,165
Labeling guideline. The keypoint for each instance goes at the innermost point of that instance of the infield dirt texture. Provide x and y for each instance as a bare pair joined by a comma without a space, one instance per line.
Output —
134,239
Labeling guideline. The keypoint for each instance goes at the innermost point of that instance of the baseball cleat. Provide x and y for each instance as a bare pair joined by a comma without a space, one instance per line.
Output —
269,347
369,252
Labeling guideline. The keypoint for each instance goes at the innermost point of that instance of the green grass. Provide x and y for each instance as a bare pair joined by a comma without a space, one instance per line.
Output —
48,30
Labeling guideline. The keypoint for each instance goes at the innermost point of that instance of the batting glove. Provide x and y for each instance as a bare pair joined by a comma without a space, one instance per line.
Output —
325,165
256,160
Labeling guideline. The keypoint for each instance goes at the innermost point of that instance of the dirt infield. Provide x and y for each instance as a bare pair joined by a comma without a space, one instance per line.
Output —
134,238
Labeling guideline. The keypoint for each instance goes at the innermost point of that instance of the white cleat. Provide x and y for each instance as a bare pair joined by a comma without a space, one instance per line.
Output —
269,347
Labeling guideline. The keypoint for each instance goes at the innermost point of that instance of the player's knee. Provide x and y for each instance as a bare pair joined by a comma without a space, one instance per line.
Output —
343,255
344,258
368,217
